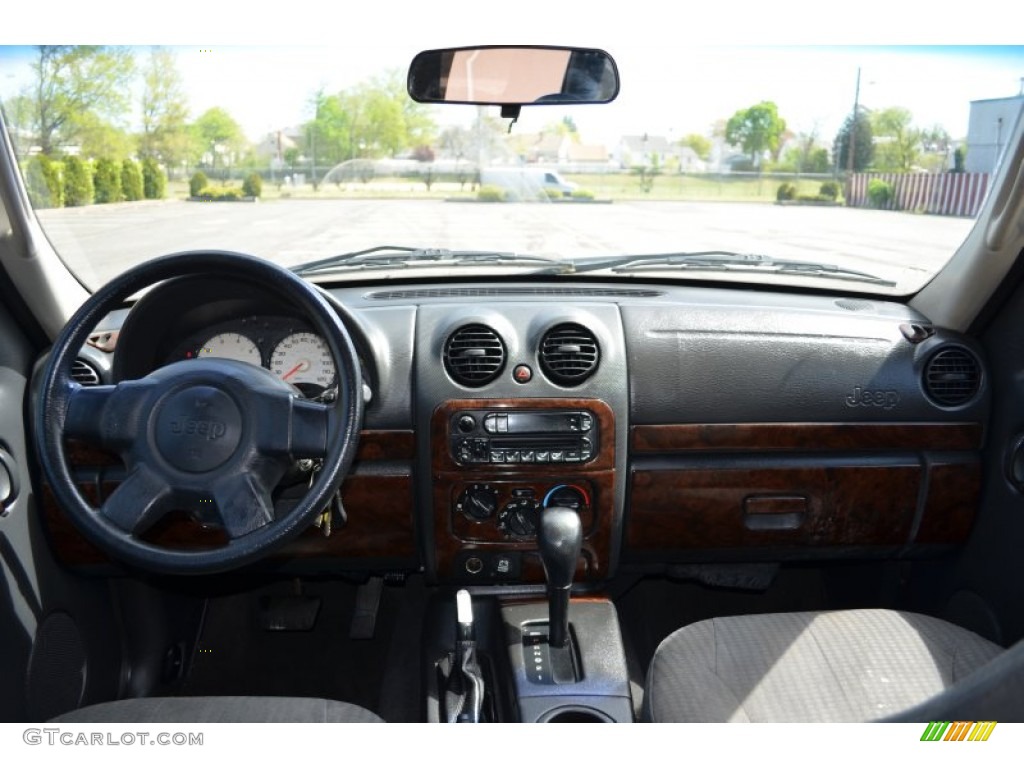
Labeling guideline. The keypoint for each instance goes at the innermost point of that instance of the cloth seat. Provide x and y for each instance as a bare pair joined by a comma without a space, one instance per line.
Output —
221,709
835,666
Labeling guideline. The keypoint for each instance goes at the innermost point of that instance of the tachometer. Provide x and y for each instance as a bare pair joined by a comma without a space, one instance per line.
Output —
233,346
303,358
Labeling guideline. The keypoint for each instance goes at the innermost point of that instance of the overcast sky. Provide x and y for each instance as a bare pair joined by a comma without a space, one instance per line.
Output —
673,81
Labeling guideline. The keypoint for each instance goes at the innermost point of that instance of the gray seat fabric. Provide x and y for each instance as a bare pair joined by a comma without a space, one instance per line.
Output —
839,666
221,709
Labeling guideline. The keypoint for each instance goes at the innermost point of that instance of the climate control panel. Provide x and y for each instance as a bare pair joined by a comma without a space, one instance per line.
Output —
511,509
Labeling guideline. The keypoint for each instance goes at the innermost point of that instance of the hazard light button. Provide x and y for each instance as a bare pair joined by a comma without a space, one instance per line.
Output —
522,374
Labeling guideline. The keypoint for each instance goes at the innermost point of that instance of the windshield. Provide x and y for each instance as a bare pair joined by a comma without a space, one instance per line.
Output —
854,169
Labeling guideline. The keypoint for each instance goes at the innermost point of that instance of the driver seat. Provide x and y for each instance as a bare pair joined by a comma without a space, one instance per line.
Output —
221,709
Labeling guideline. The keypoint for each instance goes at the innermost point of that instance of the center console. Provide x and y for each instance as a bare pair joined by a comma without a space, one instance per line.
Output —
523,492
496,464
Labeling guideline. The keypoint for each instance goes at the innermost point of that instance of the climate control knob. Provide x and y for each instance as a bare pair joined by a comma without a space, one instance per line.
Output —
478,502
574,497
519,518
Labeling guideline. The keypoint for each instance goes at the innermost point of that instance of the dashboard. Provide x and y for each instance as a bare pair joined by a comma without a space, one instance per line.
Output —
683,424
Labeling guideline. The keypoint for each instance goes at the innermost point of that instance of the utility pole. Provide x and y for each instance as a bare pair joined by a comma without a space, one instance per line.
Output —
852,138
851,141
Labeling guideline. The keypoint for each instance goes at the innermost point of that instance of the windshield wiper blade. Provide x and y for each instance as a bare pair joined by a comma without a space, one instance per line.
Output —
385,256
728,261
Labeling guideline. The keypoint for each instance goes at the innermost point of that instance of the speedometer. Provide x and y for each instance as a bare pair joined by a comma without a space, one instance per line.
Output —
303,358
233,346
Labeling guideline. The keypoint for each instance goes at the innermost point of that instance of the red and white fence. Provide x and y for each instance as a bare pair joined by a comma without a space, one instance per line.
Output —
946,194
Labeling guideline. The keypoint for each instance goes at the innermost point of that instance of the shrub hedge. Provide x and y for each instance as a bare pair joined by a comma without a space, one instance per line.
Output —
107,181
154,180
44,182
131,180
253,185
78,186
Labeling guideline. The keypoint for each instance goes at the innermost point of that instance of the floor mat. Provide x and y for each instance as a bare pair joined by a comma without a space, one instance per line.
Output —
237,655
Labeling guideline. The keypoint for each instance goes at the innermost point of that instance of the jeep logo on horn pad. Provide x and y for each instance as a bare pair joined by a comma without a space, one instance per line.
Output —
198,429
211,430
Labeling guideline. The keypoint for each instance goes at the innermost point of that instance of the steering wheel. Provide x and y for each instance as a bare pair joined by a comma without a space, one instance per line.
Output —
206,433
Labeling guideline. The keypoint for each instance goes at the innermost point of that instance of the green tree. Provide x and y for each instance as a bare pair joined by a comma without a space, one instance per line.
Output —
803,155
647,172
219,136
164,111
935,149
701,145
131,180
756,130
373,119
98,138
78,187
74,86
863,143
107,181
19,111
898,142
959,159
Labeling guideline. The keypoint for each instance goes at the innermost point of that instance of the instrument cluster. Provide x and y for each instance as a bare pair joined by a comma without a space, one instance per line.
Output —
287,347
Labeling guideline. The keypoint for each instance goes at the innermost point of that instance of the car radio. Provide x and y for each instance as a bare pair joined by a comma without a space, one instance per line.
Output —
523,436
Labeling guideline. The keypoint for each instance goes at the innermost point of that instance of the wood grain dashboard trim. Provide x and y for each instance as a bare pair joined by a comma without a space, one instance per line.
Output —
798,436
379,505
921,486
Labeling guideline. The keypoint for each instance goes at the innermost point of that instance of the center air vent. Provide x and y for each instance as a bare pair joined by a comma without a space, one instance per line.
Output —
84,373
474,355
569,354
952,377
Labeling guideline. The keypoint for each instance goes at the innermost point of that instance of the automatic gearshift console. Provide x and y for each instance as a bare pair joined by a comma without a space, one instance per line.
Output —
560,539
566,672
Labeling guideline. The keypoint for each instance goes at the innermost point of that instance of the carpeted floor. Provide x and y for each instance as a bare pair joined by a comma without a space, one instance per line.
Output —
236,655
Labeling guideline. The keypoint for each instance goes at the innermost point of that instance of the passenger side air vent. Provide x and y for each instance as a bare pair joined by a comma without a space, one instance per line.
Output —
952,377
569,354
474,355
84,373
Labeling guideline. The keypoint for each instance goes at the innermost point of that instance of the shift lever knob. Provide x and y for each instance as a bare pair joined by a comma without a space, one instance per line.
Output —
560,539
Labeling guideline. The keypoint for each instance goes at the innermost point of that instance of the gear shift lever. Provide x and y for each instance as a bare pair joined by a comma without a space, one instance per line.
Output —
560,538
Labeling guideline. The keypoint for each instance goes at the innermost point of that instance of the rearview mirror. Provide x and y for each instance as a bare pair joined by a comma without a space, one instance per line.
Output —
513,75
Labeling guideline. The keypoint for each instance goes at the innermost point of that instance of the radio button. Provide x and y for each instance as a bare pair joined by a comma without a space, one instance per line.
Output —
572,455
497,457
556,455
586,422
491,423
527,456
503,423
543,456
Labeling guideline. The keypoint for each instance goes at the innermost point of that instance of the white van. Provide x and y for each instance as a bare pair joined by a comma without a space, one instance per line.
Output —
526,183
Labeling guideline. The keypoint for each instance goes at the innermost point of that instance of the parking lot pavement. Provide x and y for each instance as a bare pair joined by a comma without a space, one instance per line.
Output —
102,240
